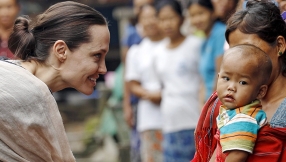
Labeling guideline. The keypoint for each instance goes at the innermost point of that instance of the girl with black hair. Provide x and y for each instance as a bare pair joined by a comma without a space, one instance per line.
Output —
201,13
176,64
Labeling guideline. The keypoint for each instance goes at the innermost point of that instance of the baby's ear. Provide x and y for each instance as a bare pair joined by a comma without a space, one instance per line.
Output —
262,92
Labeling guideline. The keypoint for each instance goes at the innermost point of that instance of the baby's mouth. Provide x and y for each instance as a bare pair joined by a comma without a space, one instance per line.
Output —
229,96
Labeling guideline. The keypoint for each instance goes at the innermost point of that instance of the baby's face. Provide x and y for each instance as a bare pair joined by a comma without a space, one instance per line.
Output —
237,84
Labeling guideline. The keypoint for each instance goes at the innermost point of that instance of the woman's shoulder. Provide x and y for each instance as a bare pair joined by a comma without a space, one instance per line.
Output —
194,38
17,81
192,43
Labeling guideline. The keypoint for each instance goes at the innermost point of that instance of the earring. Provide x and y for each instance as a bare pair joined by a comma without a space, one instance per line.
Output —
280,53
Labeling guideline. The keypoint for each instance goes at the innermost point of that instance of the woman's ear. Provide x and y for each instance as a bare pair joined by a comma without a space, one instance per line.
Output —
262,92
281,44
60,50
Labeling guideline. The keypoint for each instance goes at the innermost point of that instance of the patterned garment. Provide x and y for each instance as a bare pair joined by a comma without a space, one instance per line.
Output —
151,150
279,118
4,50
135,142
179,146
239,127
135,155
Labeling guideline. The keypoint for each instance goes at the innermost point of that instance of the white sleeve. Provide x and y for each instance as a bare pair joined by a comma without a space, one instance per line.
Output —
154,70
131,70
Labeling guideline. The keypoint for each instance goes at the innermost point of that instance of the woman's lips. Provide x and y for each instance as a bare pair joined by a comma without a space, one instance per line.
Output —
93,80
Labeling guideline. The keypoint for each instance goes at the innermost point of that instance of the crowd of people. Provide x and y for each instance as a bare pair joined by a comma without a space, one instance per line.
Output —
172,77
215,94
162,65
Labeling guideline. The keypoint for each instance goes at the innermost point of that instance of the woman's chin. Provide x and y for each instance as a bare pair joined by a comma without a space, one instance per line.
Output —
86,90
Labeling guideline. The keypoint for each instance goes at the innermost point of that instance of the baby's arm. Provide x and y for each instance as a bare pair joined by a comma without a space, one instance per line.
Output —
236,156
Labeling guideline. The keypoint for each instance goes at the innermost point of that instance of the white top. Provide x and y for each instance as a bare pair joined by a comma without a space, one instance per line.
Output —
139,67
177,70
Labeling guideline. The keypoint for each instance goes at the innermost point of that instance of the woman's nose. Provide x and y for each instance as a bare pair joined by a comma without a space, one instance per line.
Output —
102,68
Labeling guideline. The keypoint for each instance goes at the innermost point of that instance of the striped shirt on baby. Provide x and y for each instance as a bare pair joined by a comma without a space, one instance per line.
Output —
239,127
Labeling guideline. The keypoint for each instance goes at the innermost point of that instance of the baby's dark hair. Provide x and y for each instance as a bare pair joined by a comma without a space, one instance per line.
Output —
262,64
68,21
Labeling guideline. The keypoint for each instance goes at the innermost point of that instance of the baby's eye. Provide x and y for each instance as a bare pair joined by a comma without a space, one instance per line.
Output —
243,82
225,78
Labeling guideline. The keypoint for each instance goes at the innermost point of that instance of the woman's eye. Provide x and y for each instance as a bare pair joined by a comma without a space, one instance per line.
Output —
243,82
97,56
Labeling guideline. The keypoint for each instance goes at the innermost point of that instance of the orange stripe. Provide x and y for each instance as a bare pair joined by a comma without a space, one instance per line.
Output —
237,133
237,111
235,138
240,136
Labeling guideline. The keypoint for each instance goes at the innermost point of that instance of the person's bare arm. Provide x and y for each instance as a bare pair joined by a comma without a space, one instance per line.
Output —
123,52
202,96
127,108
217,63
236,156
213,156
139,91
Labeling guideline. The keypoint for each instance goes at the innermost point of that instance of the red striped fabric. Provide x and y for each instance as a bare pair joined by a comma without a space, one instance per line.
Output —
269,147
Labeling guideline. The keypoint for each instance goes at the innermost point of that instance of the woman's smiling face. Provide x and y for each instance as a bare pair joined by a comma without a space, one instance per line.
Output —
84,65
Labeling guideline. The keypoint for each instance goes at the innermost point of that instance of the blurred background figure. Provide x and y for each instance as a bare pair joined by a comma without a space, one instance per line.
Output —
176,65
224,8
145,85
133,31
134,34
9,10
282,5
202,17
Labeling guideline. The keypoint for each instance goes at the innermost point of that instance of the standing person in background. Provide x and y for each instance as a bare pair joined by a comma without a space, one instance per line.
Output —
133,36
145,85
9,10
61,50
282,5
176,65
223,9
201,13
